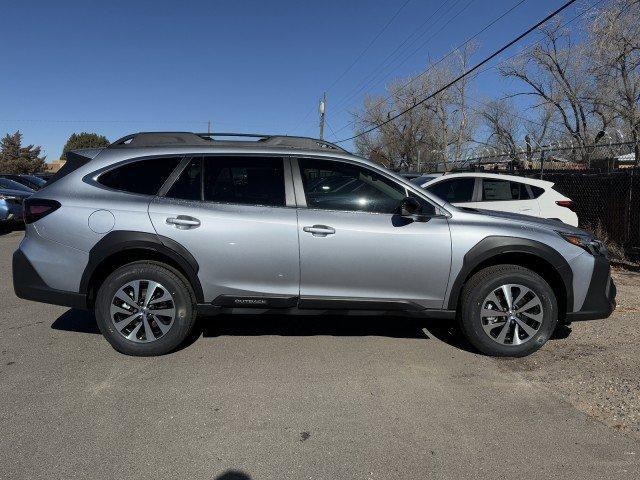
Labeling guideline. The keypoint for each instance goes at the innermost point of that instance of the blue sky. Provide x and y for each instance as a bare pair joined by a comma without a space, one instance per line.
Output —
116,67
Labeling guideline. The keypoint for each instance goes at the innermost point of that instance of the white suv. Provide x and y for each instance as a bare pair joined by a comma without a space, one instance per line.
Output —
505,193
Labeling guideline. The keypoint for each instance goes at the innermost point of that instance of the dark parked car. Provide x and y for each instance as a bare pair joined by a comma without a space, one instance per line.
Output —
31,181
12,195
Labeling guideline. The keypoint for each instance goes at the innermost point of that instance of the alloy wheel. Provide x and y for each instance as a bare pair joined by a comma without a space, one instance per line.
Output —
511,314
143,311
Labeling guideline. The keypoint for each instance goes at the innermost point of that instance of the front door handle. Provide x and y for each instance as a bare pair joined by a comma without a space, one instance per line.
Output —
183,222
319,230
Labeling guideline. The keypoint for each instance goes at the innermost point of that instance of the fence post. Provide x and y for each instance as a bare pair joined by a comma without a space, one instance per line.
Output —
633,171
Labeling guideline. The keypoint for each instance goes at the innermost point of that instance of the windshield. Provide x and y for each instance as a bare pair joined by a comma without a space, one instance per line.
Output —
421,180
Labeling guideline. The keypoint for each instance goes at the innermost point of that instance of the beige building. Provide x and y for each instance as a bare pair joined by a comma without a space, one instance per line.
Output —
54,166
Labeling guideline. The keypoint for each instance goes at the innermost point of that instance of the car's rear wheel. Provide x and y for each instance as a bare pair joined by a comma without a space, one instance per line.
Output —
508,310
145,309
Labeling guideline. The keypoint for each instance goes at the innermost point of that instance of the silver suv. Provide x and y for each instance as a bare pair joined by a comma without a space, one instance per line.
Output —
159,227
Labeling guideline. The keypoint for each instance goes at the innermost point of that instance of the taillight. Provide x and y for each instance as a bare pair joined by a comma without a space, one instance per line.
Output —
36,208
566,204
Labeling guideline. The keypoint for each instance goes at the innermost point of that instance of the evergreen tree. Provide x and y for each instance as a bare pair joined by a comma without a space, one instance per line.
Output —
84,140
14,158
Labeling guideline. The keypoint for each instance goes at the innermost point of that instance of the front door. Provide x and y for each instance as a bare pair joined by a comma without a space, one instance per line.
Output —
231,213
355,250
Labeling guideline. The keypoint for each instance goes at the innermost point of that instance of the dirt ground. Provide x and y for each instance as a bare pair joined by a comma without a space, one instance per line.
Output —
595,365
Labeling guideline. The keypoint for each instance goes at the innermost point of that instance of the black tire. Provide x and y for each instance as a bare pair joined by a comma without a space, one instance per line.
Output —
486,281
183,298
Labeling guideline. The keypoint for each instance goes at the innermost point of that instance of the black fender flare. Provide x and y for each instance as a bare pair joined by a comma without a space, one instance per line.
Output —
121,240
494,246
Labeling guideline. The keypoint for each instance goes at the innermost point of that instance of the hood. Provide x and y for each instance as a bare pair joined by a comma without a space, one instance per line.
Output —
527,220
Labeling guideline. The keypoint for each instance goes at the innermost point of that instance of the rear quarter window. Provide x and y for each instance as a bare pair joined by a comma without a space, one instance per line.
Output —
537,191
494,190
142,176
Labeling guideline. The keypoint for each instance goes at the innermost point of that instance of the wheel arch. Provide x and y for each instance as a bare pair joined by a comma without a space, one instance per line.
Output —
121,247
531,254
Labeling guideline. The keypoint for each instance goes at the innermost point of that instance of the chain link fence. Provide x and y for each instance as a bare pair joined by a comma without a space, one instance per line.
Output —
606,203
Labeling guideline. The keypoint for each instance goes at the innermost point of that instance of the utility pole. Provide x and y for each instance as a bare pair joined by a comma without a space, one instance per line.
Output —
322,109
209,126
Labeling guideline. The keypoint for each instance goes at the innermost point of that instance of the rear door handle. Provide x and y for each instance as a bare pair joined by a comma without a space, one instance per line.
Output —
183,222
319,230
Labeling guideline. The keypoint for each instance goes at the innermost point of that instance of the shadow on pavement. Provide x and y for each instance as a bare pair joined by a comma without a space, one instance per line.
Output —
11,227
81,321
310,325
233,475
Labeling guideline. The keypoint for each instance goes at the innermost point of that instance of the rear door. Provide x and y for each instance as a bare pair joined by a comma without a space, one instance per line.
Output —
507,196
355,252
458,191
237,217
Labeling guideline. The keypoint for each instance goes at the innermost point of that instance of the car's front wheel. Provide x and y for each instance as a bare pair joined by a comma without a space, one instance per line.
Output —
145,309
508,310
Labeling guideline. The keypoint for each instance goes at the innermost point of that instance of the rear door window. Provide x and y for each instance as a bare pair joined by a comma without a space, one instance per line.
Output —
244,180
455,190
188,186
142,176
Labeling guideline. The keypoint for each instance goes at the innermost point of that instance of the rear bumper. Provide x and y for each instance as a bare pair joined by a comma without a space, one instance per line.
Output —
29,285
600,301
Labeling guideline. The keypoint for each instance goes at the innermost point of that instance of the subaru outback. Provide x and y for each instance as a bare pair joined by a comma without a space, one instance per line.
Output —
160,227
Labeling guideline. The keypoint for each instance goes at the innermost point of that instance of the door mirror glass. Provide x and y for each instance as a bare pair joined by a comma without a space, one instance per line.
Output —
409,206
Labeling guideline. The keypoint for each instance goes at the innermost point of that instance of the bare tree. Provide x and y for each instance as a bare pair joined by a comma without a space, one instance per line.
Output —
557,74
503,127
433,131
615,51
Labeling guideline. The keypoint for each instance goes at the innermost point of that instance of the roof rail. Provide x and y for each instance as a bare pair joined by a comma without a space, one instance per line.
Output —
176,139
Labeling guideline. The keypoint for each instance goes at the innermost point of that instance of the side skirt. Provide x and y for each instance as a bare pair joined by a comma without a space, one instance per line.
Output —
301,305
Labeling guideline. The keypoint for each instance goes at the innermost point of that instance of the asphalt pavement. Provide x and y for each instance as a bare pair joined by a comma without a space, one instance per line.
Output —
268,397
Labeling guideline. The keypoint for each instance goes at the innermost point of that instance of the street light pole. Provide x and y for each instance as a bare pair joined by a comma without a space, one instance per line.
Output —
322,109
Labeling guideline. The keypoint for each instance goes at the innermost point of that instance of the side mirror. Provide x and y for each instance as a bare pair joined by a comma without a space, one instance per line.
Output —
411,208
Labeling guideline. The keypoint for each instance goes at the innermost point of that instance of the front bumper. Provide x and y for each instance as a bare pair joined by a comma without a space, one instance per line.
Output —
600,301
29,285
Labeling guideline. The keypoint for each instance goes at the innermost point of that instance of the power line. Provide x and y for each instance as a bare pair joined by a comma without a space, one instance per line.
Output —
33,120
331,128
451,52
383,65
506,59
366,49
466,73
528,47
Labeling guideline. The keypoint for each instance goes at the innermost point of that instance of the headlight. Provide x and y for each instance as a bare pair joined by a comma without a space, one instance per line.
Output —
7,197
586,242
